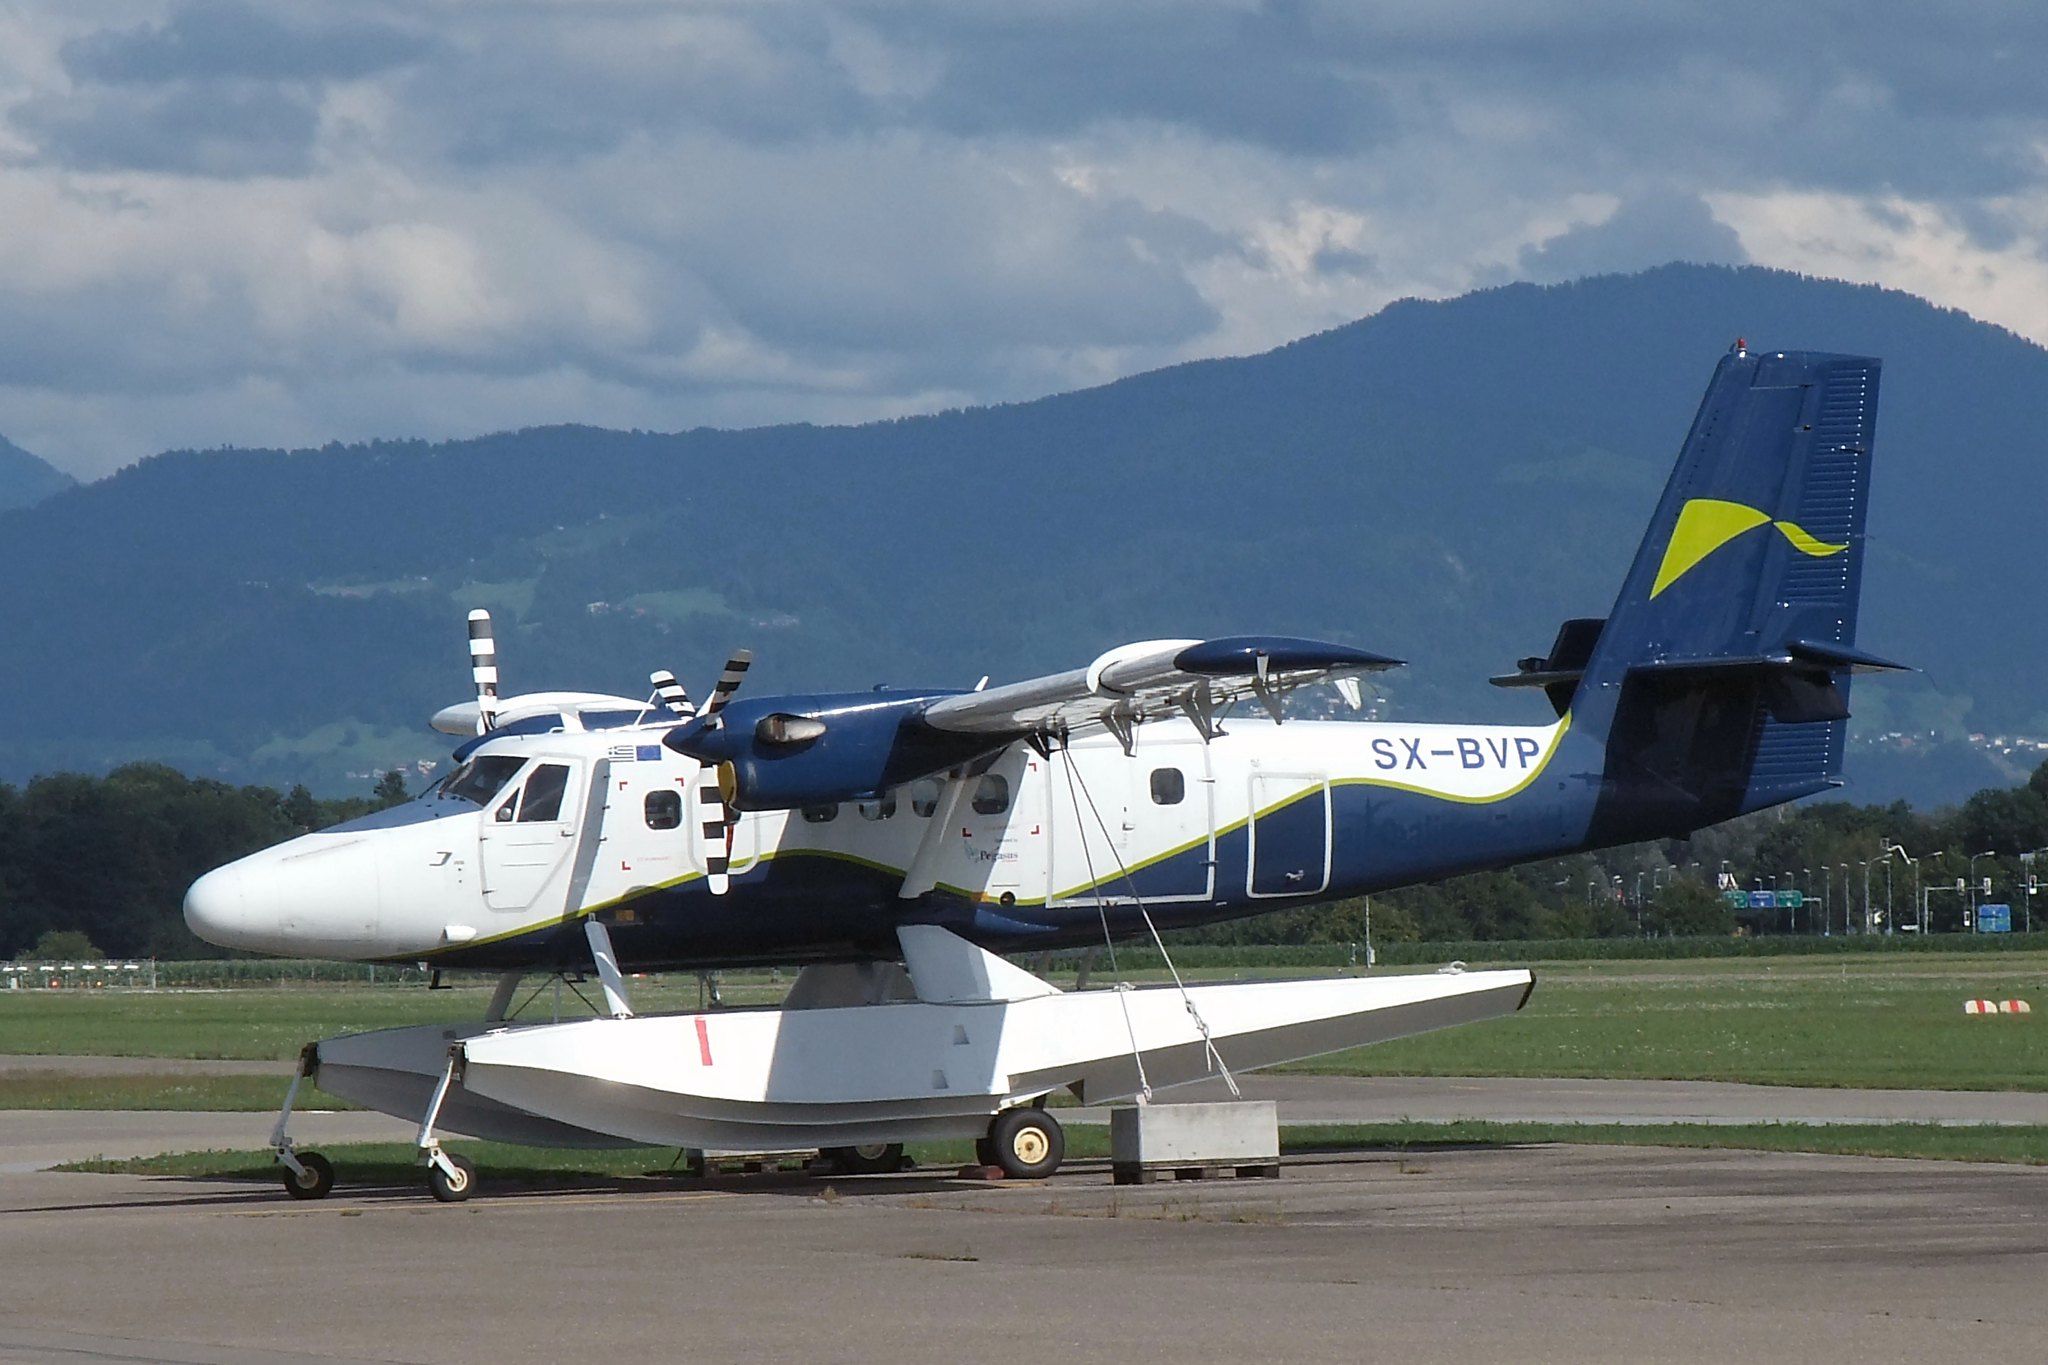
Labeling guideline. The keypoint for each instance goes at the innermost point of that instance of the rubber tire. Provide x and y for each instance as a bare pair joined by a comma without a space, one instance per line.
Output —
984,1152
881,1158
319,1172
453,1192
1029,1143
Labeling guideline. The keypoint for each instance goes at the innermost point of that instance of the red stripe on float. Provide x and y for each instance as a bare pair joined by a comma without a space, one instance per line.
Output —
704,1042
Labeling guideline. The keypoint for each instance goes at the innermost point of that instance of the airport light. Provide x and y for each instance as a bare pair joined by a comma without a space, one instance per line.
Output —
1919,902
1973,885
2027,861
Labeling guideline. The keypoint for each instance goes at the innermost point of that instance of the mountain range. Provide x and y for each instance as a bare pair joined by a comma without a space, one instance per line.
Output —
26,480
1443,481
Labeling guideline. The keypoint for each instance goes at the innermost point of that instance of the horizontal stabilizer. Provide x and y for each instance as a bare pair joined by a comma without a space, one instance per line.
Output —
1559,671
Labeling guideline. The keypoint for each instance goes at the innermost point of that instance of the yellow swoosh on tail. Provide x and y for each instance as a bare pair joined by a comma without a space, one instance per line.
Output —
1804,541
1706,524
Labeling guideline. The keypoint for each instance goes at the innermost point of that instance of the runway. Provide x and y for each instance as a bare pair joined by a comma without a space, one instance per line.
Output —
1476,1255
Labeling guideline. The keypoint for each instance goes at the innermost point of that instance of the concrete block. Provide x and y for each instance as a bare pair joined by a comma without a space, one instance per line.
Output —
1193,1137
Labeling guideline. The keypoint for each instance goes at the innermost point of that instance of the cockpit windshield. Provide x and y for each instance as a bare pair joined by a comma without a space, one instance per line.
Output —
482,778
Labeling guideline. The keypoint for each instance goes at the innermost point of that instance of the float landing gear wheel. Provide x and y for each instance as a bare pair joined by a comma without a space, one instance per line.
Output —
313,1180
873,1158
1028,1143
456,1187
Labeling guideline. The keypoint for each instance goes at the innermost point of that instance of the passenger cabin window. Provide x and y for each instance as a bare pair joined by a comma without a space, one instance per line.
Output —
1169,787
879,808
478,780
543,800
924,798
820,815
664,810
992,796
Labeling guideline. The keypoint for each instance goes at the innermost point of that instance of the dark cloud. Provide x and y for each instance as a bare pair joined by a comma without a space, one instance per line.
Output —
211,40
215,130
1641,233
380,213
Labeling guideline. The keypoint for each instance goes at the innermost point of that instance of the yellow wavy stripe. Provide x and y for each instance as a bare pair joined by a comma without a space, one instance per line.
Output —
1806,543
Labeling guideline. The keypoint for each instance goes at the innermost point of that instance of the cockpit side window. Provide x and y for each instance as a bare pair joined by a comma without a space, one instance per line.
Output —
543,800
478,780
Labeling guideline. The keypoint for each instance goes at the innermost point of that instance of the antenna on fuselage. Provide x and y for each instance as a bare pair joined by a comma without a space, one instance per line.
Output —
483,667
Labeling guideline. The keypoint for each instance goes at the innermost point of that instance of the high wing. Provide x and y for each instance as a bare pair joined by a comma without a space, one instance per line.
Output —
1155,678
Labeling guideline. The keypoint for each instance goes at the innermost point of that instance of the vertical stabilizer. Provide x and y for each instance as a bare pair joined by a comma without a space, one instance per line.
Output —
1721,675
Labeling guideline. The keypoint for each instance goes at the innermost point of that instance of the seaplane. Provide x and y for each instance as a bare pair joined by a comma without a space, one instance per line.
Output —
898,847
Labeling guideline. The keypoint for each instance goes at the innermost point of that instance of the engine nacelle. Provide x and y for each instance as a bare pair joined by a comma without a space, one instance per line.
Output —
779,753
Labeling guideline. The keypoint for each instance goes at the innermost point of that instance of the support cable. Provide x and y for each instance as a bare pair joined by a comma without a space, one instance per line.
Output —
1123,988
1216,1063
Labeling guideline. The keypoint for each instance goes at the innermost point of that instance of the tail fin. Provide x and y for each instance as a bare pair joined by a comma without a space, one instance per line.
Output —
1720,678
1758,541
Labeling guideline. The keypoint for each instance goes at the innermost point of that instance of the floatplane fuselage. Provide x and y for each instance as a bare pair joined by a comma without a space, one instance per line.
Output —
1158,787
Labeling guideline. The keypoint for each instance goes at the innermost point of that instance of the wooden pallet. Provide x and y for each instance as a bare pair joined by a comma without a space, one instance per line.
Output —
1146,1175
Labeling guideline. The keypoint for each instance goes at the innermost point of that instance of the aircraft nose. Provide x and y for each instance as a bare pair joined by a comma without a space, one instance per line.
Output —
220,909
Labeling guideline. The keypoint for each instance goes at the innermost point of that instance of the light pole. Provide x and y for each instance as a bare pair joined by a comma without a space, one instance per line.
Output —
2027,864
1863,863
1973,886
1919,904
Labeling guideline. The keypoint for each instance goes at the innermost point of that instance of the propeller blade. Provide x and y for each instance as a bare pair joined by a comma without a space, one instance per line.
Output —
671,693
717,817
483,667
729,681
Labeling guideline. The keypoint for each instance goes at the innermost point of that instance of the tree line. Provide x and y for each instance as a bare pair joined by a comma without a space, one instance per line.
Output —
92,865
1833,852
104,862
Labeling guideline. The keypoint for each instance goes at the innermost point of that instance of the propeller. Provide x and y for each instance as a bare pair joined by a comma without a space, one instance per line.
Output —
711,797
483,667
671,693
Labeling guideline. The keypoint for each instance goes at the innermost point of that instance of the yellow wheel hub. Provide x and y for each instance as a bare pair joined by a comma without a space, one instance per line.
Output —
1030,1146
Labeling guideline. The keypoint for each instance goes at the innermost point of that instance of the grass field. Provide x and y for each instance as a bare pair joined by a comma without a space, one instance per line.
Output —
392,1163
183,1092
1866,1020
1848,1021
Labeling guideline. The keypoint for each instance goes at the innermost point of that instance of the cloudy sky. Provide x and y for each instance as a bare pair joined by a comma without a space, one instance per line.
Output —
288,223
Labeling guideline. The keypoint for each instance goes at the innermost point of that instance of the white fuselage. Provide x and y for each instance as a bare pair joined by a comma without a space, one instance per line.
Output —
578,822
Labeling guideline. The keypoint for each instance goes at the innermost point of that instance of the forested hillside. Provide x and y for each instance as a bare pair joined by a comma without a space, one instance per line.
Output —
1443,482
26,480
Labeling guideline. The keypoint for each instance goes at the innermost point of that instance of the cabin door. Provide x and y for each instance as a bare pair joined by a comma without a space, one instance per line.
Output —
1290,834
1130,827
